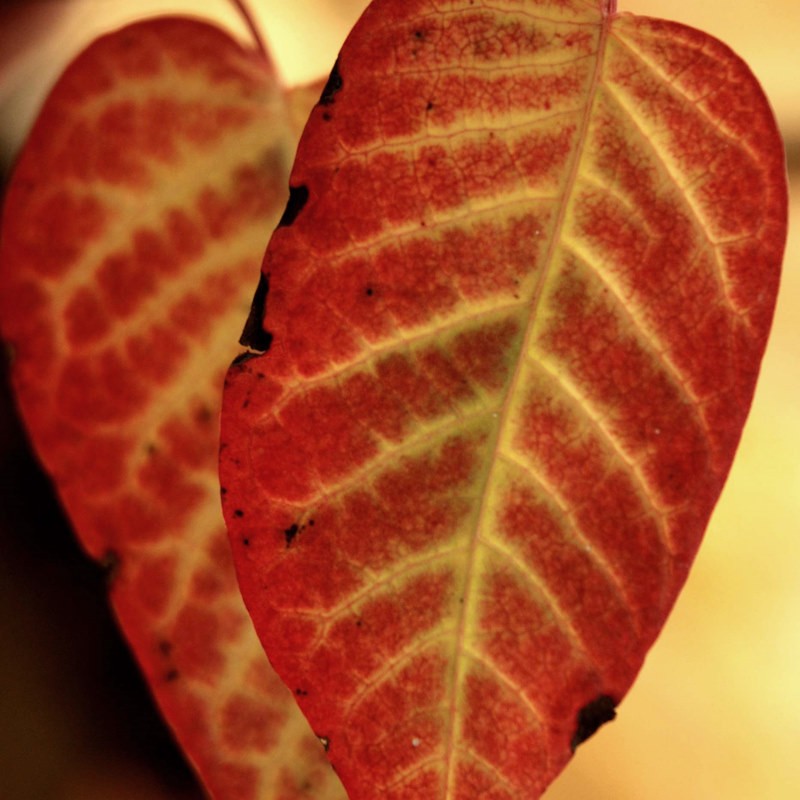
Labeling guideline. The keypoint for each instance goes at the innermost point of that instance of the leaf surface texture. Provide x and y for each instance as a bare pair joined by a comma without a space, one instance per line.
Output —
133,226
516,316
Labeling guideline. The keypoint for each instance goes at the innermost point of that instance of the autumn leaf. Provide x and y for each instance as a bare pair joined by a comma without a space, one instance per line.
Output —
132,228
503,349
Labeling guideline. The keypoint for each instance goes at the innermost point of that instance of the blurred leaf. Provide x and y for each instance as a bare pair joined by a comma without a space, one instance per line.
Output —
137,213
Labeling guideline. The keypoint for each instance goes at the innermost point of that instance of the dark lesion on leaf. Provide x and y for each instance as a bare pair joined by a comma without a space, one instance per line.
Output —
254,336
332,87
110,564
290,533
594,714
243,358
298,197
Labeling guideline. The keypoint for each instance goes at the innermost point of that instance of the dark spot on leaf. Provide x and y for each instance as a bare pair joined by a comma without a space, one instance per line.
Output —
332,87
326,741
246,542
311,523
298,197
110,563
327,116
419,34
238,513
369,291
203,415
429,106
301,692
244,357
254,336
591,717
171,676
165,647
290,533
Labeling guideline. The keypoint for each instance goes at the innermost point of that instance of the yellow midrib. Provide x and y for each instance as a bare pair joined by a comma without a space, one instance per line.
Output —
466,608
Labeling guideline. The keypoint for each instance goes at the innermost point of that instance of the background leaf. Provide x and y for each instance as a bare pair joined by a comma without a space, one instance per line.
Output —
464,498
137,211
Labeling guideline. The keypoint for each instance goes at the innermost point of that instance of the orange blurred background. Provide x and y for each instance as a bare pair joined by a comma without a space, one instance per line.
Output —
715,713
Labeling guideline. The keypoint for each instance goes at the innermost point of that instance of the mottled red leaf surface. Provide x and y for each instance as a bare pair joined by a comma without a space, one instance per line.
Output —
517,313
133,226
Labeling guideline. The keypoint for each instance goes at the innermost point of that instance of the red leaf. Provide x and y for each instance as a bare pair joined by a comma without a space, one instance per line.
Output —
517,313
132,228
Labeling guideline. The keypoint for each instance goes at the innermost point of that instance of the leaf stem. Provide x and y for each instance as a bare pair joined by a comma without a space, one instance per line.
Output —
261,46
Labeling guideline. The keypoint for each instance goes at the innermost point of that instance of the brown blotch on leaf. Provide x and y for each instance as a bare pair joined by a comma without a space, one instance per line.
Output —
254,336
594,714
244,357
332,87
298,197
110,563
290,533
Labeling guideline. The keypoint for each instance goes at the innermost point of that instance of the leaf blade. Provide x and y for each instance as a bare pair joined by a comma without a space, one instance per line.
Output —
485,388
137,211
